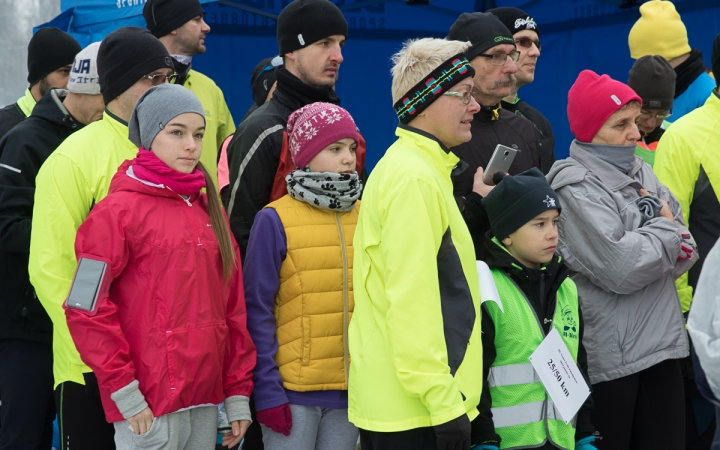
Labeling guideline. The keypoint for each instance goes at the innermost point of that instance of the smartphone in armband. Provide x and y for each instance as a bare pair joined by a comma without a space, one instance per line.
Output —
501,160
87,285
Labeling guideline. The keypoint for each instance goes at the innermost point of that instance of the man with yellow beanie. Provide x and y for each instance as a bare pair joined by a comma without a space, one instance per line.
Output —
660,31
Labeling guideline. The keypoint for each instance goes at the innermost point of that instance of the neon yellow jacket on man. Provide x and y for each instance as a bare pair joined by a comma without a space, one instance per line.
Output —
692,142
218,120
72,180
415,349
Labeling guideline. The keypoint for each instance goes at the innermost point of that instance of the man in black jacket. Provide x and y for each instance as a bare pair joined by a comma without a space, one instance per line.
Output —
310,36
493,56
526,34
26,371
50,54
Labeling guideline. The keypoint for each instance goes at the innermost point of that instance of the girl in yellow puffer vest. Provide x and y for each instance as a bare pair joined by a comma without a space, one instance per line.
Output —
298,285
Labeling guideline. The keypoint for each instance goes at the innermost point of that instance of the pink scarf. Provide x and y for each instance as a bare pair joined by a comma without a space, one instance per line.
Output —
147,166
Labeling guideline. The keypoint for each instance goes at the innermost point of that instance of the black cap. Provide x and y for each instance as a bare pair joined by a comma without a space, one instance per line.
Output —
164,16
303,22
262,78
517,199
483,30
652,78
124,56
515,19
48,50
715,59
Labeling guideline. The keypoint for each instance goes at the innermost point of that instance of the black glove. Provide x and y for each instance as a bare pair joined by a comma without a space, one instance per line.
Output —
454,435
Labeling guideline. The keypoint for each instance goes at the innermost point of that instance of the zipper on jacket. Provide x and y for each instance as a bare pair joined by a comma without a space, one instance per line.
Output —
186,200
345,296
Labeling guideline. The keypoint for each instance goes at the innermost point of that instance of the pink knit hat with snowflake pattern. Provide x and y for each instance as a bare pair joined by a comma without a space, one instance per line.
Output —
315,126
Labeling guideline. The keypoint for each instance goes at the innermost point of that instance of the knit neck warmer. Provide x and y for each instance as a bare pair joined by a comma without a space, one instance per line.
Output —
622,157
148,167
688,71
301,94
325,190
182,68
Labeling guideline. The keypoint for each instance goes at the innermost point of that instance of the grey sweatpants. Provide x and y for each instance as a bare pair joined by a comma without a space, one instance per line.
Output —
193,429
314,428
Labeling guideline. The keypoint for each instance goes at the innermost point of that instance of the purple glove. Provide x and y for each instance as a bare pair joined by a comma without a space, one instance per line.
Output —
278,419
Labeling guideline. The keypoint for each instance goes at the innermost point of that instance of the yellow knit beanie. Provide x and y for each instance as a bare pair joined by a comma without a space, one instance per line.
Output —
658,31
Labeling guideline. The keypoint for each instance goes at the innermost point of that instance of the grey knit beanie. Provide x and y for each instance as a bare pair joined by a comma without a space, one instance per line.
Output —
652,78
158,106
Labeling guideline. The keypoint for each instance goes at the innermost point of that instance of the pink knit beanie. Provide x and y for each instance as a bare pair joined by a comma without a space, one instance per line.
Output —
592,99
315,126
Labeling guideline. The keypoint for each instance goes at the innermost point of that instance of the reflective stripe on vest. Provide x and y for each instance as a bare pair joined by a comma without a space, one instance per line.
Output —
512,374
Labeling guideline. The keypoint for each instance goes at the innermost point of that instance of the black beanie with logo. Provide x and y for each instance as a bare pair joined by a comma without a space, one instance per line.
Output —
653,79
165,16
517,199
263,77
49,49
515,19
483,30
303,22
124,56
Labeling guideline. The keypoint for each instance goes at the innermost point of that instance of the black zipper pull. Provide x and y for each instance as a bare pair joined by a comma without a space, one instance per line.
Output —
24,311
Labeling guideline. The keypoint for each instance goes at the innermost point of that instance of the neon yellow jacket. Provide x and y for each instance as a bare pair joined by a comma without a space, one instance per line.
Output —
218,120
27,103
692,141
415,349
75,177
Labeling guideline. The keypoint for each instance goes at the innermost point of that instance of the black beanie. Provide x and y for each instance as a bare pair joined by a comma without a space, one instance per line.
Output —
262,78
517,199
715,59
303,22
652,78
515,19
164,16
124,56
48,50
483,30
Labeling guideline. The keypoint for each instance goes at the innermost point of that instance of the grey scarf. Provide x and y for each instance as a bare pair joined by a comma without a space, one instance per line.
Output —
325,190
620,156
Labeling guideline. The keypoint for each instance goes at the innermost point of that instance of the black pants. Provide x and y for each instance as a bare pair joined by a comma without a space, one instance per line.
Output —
415,439
643,411
28,407
81,417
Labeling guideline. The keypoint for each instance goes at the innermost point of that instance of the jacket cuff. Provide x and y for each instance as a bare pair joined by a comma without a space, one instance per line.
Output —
237,407
129,400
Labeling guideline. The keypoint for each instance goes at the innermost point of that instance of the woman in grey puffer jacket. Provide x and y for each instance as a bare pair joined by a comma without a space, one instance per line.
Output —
622,231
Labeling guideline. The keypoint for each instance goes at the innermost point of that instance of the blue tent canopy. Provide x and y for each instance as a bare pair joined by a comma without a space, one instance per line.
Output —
576,35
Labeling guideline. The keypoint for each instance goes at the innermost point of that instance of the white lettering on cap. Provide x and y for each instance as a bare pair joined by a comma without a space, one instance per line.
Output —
615,99
301,40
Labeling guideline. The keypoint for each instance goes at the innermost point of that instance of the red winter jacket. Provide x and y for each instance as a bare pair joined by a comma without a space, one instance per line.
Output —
169,319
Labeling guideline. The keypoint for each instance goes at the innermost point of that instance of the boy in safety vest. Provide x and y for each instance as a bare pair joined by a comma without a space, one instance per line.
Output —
536,294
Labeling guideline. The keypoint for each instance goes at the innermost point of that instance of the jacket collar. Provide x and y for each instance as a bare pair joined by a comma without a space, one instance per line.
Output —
488,113
26,103
610,175
445,160
52,109
292,93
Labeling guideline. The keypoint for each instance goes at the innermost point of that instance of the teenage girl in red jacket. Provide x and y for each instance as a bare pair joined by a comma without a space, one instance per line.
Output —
168,339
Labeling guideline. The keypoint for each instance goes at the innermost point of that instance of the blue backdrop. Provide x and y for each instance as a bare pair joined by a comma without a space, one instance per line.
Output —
576,35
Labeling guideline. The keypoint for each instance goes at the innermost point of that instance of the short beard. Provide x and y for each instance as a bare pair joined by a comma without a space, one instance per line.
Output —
44,86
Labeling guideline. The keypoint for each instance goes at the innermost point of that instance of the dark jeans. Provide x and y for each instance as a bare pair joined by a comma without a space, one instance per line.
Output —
81,417
415,439
28,407
642,411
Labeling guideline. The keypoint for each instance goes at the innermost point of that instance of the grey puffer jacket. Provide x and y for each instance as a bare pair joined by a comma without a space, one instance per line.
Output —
626,269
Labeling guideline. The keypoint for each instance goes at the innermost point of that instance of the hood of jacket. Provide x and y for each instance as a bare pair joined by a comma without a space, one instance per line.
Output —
51,108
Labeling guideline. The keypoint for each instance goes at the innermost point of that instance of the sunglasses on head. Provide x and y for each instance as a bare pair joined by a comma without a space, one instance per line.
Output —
526,42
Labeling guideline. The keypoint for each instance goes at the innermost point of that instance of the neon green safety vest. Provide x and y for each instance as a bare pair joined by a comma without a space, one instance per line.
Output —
523,414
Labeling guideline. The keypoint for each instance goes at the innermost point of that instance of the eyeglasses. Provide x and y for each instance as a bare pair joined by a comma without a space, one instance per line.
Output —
645,114
466,96
499,59
526,42
160,78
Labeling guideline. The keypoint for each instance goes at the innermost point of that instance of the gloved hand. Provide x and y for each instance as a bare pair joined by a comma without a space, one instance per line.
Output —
484,447
278,419
686,246
454,435
586,443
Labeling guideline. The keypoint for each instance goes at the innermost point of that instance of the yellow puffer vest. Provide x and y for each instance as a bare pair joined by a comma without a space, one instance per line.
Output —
315,300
